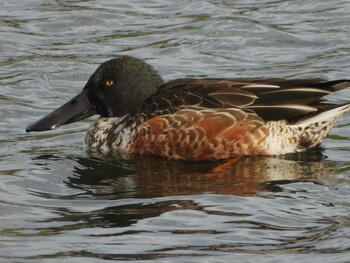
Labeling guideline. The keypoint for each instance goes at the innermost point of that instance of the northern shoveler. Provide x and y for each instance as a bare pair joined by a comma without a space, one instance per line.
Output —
198,119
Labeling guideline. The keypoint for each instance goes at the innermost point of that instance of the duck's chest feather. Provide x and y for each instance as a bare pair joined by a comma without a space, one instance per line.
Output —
108,135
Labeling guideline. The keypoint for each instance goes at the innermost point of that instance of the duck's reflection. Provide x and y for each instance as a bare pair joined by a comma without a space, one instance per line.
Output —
151,177
132,184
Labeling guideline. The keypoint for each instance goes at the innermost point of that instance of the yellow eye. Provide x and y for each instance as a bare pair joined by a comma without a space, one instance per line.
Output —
109,82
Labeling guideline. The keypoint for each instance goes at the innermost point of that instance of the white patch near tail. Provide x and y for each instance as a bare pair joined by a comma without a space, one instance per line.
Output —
305,134
325,116
315,129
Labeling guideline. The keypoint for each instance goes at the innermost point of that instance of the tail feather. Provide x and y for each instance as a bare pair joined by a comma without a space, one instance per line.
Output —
314,130
327,116
333,85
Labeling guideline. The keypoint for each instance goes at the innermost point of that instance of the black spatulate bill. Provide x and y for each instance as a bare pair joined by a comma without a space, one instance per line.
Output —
76,109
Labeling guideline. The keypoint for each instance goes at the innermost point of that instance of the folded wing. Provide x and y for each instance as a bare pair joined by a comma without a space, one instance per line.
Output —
271,99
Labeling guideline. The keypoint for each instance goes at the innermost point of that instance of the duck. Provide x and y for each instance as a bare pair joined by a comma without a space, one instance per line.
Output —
198,119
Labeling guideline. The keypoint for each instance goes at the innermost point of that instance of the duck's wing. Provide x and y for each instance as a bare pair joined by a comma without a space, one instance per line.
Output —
271,99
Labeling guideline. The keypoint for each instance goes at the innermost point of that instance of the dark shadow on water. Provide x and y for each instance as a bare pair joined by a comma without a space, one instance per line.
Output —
128,191
153,177
136,184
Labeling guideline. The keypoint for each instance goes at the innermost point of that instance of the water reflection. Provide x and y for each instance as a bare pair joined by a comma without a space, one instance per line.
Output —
152,177
125,205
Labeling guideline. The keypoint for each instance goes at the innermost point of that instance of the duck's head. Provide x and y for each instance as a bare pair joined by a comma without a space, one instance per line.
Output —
118,86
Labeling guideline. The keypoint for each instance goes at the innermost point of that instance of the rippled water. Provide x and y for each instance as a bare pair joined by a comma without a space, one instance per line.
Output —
57,204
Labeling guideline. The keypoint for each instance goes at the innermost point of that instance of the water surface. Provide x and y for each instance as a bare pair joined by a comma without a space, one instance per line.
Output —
59,204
